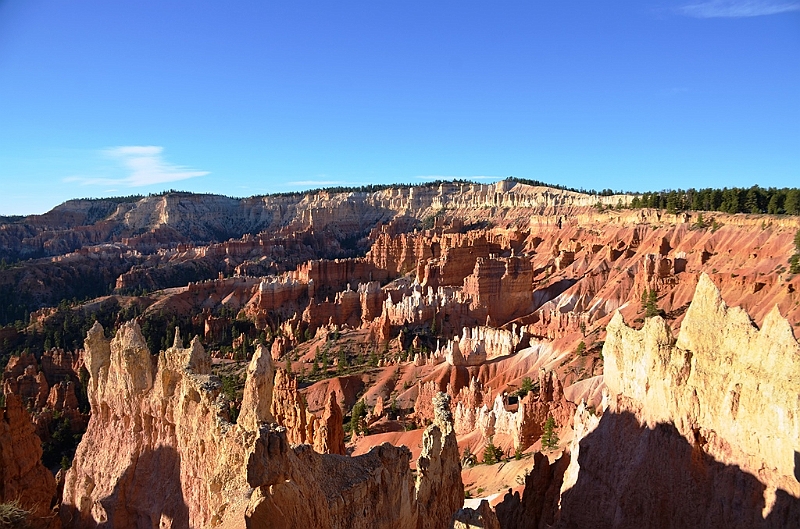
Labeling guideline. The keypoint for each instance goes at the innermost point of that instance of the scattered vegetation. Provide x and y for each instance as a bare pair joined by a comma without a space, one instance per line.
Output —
358,415
13,516
650,303
59,450
699,223
230,389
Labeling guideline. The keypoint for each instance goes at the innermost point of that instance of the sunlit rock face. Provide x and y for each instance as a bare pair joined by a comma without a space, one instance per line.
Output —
698,431
160,452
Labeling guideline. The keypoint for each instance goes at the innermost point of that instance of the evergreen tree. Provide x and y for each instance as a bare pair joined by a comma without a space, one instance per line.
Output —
549,435
491,453
525,388
791,204
357,415
651,308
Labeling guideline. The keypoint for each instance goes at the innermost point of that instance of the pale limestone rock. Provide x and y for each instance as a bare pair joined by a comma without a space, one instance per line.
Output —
724,379
258,389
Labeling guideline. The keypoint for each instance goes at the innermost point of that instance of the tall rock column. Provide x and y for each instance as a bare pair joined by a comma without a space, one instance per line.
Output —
439,489
257,397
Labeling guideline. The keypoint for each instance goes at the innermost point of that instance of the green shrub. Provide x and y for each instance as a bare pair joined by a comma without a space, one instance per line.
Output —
357,416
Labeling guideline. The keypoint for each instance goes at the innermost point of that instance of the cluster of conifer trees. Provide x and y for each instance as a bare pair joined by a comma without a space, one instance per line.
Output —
753,199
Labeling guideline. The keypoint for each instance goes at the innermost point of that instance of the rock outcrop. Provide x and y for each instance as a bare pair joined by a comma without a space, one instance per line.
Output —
439,489
258,389
23,478
481,518
179,463
328,431
698,431
47,389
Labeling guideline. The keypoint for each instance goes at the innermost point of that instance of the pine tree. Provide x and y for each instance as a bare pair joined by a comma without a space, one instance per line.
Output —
651,307
549,435
491,453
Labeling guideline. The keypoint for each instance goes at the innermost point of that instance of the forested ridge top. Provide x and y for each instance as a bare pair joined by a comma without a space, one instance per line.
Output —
754,199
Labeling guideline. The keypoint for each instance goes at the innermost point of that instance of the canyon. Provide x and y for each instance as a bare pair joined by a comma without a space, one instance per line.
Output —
448,355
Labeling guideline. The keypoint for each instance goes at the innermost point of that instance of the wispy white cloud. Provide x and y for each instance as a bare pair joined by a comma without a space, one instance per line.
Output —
140,166
737,8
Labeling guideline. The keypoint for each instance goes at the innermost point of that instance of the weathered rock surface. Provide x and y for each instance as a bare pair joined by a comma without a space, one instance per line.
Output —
439,489
258,390
178,463
47,388
22,475
481,518
698,431
328,431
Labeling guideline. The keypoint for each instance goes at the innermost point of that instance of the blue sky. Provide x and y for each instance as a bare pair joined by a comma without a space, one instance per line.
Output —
102,98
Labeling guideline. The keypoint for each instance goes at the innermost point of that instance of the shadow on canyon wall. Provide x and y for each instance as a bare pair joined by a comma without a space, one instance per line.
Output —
148,492
634,477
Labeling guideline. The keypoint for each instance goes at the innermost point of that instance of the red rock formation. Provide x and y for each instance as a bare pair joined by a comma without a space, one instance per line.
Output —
500,288
165,426
328,431
46,390
22,476
289,409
